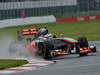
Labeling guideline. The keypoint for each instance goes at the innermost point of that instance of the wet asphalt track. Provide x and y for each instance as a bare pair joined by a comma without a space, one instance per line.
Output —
71,65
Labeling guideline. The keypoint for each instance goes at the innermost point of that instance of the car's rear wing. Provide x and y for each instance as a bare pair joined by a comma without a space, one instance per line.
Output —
26,31
29,31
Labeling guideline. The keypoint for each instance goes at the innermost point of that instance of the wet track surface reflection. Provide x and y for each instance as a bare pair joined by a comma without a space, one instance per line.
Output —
71,65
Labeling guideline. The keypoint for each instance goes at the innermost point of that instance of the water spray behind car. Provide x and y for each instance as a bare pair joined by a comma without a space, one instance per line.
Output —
13,49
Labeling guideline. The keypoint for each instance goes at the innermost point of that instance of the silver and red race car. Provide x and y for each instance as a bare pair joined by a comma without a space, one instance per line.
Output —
49,46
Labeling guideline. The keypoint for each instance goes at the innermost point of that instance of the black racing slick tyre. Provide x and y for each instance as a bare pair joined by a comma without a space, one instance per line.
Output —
19,35
46,50
83,43
94,49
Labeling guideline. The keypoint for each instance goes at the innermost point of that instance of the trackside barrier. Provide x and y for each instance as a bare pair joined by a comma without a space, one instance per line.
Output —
27,21
76,19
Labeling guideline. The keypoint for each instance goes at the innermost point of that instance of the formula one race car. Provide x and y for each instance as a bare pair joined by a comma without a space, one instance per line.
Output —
49,46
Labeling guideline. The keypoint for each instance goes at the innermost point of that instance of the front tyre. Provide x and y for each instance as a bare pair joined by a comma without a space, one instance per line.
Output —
94,49
83,43
47,46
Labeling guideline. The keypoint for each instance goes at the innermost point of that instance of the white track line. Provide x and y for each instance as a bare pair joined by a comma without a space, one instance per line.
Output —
6,72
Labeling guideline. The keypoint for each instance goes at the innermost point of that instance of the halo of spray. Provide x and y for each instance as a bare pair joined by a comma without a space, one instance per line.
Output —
13,49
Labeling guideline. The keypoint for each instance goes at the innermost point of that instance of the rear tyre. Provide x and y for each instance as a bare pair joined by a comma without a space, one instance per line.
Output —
19,35
83,43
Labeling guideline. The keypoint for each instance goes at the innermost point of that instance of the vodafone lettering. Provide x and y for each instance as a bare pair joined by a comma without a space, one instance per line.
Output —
76,19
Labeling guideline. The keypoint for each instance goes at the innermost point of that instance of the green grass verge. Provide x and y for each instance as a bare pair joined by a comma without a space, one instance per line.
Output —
8,63
90,29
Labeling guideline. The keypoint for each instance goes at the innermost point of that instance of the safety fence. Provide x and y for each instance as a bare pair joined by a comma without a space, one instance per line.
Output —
11,9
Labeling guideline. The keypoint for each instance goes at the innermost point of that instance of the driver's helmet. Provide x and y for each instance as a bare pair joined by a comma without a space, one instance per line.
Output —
43,30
